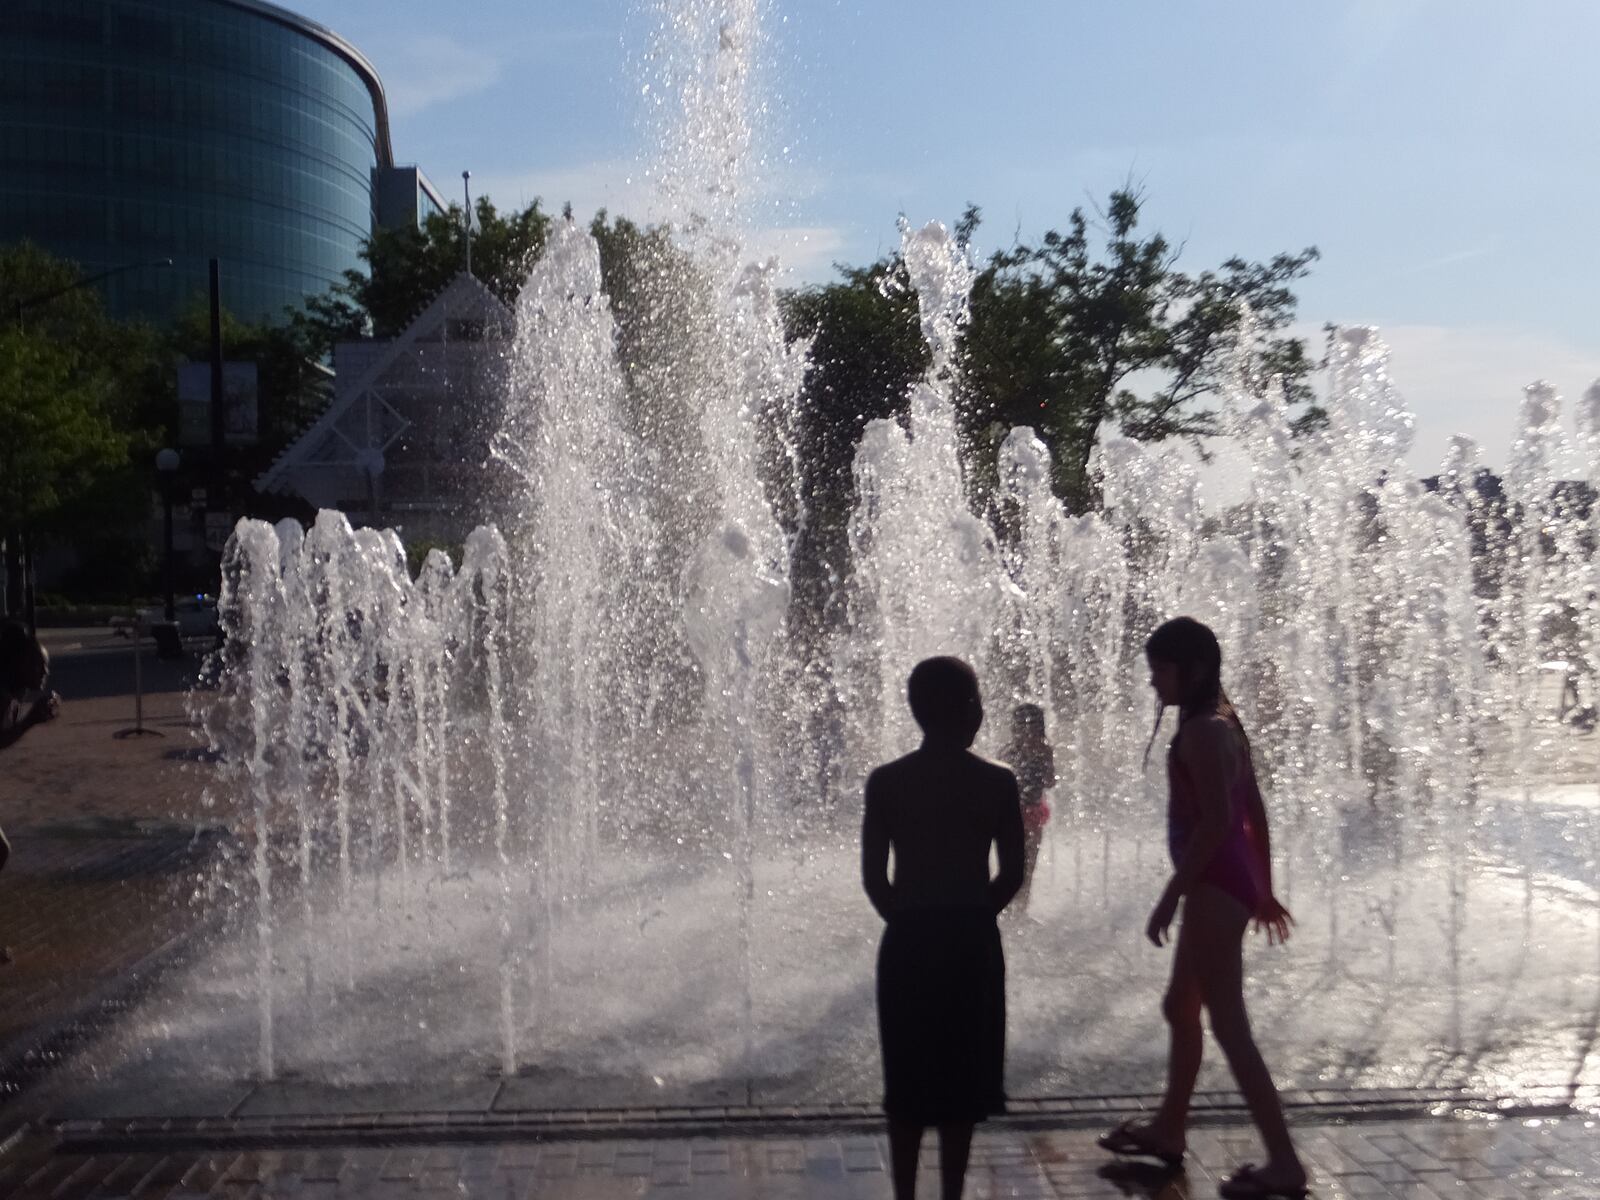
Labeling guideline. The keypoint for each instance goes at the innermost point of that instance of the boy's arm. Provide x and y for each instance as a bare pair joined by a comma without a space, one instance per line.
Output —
1008,847
875,850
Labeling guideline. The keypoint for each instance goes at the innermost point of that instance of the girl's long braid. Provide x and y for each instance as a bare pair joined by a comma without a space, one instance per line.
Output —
1161,711
1183,641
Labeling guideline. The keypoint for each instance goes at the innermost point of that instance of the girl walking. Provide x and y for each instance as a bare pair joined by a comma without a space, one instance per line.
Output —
1222,876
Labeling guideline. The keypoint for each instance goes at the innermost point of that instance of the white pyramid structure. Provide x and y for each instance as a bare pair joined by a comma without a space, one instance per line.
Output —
405,441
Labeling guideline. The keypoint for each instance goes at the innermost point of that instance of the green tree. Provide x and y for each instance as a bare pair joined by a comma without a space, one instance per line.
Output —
866,352
60,435
408,267
129,352
293,387
646,278
84,398
1091,326
1098,324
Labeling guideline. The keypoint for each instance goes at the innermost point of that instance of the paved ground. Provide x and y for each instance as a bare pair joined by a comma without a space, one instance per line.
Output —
1426,1160
107,833
76,768
81,908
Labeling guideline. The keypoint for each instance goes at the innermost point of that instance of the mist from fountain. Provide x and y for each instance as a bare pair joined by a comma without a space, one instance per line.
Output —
552,812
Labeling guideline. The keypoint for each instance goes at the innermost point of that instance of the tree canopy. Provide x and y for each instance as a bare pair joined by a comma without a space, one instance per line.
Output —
1098,324
86,401
77,392
1092,325
405,268
866,352
59,433
1089,326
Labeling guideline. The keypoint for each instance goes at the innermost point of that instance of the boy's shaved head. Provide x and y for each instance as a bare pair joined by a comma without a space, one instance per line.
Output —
943,693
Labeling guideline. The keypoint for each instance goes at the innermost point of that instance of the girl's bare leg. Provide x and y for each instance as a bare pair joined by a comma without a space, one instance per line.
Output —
1181,1007
1219,921
905,1140
1030,859
955,1145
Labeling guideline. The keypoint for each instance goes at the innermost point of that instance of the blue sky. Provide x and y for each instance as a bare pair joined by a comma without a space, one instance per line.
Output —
1440,153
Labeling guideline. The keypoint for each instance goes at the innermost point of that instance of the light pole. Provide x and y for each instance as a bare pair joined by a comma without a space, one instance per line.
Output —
23,303
167,462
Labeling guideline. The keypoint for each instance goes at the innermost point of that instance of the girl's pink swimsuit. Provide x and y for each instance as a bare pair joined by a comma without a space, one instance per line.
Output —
1236,867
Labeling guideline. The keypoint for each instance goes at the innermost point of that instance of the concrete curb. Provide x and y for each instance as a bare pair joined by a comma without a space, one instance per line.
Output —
1046,1113
30,1058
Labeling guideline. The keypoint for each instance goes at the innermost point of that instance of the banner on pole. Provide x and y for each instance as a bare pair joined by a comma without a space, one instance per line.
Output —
239,403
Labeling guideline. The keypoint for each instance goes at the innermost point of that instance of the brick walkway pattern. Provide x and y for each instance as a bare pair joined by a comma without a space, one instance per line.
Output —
80,915
1433,1159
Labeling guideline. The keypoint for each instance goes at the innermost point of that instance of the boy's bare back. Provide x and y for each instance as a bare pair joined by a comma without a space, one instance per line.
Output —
940,809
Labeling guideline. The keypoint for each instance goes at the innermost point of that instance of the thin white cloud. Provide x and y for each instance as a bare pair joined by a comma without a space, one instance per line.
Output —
429,69
805,252
616,186
1455,380
1469,380
1452,259
538,44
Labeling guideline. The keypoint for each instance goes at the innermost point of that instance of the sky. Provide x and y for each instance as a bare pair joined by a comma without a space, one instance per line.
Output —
1441,154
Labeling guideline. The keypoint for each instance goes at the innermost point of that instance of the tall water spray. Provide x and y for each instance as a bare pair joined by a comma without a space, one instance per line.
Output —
927,572
546,811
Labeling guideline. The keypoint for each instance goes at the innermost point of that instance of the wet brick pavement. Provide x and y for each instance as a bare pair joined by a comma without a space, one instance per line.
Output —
82,914
88,914
1443,1158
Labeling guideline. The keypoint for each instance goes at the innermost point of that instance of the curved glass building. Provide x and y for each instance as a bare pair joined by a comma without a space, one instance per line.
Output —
138,130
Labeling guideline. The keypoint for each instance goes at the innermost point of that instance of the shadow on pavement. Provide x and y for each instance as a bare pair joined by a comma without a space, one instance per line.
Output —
92,674
1149,1181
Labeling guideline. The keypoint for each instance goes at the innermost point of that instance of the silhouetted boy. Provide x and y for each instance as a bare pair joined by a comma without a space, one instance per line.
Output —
941,973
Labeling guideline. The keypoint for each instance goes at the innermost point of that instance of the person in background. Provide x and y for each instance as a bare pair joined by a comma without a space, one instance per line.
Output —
25,701
1031,756
24,672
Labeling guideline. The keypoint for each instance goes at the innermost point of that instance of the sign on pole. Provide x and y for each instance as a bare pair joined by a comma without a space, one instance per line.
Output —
219,525
239,394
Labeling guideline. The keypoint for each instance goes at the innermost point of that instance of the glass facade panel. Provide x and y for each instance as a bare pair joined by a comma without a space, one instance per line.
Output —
189,129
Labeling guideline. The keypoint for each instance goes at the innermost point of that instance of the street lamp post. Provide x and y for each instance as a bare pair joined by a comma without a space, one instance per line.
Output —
167,462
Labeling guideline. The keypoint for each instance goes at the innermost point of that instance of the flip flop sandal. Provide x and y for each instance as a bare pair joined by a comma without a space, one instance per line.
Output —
1126,1139
1246,1184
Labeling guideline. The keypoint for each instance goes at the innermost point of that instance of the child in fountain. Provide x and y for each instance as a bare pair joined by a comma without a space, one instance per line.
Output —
24,702
1222,875
941,972
1031,756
